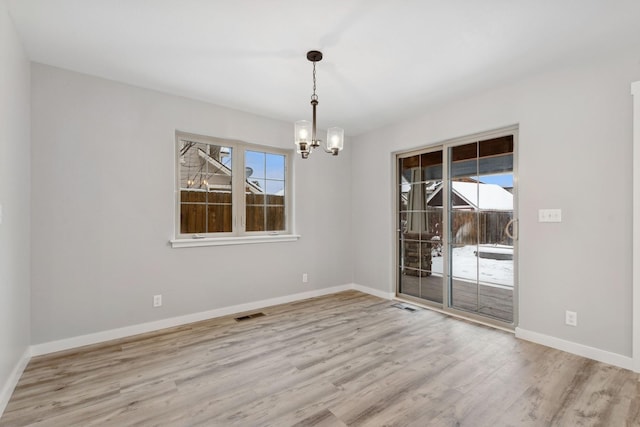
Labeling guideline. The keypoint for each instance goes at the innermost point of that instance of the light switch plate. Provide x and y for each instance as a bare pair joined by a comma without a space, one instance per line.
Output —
549,215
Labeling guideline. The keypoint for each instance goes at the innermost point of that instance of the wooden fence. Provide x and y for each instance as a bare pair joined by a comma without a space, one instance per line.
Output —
468,226
211,212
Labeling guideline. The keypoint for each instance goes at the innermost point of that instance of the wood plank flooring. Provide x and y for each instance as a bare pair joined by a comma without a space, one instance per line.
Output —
347,359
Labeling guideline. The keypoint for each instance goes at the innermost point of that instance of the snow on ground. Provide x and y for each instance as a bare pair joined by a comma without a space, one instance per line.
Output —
466,265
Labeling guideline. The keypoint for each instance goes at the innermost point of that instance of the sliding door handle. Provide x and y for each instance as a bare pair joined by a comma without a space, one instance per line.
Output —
513,225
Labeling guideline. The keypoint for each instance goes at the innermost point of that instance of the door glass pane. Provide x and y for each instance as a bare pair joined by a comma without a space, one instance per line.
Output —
481,207
419,225
495,250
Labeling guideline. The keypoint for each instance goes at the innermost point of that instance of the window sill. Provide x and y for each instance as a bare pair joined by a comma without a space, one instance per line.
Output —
225,241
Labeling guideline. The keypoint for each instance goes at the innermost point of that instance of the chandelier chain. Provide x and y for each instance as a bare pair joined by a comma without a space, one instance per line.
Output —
314,96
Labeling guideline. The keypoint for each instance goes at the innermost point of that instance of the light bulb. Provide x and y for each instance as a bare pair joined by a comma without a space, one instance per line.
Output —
301,134
335,139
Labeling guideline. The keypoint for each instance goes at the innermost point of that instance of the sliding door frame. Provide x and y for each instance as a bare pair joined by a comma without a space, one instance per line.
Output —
446,307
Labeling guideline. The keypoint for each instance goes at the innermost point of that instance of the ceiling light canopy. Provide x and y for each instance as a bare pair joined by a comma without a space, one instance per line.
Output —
305,131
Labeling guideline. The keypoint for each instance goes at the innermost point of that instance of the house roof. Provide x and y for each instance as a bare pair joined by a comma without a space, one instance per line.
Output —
484,196
477,196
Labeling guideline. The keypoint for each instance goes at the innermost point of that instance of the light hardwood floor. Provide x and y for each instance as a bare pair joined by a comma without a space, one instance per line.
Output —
345,359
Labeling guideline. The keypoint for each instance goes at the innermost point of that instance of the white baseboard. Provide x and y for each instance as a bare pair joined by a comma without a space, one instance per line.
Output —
371,291
10,384
127,331
604,356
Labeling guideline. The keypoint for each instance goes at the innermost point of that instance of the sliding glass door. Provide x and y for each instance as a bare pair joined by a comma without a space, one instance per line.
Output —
456,224
480,244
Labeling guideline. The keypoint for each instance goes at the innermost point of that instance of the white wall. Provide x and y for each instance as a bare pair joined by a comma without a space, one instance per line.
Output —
575,154
15,178
103,211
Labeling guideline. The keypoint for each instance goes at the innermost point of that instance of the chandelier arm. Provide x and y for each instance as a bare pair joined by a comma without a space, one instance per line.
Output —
333,151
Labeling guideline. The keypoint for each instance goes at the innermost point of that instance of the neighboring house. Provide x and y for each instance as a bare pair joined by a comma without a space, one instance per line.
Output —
475,196
481,212
208,171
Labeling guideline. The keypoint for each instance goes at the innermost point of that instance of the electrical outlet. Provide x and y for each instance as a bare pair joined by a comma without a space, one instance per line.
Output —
571,318
157,300
305,278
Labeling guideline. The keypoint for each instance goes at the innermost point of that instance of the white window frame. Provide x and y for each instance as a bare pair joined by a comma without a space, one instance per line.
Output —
238,235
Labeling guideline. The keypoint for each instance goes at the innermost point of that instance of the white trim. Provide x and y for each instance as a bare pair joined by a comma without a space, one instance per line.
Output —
371,291
575,348
635,325
224,241
12,381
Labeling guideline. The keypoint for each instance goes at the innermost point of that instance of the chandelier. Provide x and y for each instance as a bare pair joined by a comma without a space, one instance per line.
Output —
305,131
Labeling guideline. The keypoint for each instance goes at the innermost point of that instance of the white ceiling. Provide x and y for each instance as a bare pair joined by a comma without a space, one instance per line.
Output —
383,59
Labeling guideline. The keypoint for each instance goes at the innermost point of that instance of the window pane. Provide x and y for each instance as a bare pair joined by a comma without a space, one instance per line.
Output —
431,164
275,187
258,186
255,198
410,169
218,218
275,199
255,164
464,160
205,187
192,218
464,152
275,167
265,202
495,165
275,218
496,146
203,165
255,218
193,196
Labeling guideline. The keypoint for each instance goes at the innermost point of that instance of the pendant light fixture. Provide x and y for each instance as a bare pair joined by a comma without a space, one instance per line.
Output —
305,131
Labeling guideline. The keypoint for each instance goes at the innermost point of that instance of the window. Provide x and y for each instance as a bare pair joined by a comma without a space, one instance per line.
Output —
230,190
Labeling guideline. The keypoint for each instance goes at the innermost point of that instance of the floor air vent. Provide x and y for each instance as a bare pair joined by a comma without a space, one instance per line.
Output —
405,307
249,316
